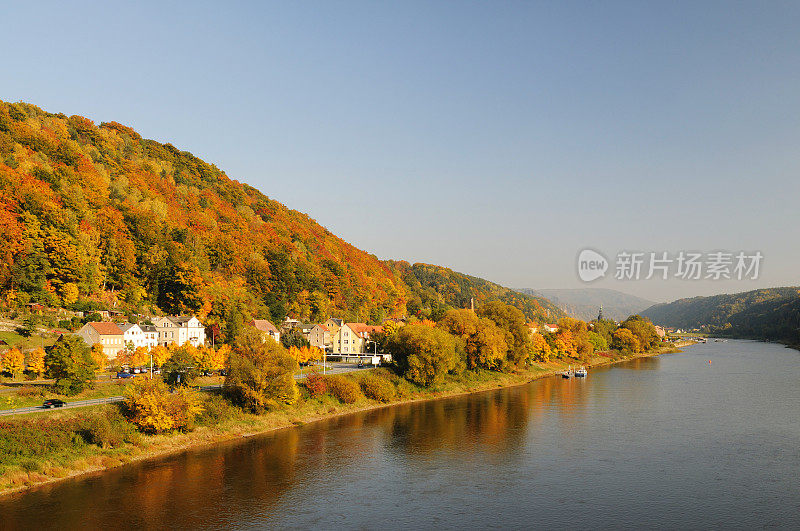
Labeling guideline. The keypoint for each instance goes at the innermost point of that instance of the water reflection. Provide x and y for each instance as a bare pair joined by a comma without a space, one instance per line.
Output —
550,442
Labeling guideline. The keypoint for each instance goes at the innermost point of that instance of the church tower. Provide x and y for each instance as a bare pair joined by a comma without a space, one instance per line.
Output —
600,315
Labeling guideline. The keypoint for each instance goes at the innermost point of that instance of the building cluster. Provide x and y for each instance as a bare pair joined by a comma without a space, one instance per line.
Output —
334,335
163,331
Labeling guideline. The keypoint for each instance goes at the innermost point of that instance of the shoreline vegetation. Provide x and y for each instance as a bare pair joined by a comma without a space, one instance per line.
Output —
221,422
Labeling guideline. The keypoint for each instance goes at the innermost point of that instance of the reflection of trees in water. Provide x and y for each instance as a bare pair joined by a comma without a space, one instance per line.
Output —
211,486
491,423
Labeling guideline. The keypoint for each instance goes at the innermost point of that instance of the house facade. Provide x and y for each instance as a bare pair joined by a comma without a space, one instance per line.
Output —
133,335
320,337
179,330
107,334
150,335
352,338
267,329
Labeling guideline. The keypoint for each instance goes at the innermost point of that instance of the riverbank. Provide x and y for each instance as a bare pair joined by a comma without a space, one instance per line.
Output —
223,422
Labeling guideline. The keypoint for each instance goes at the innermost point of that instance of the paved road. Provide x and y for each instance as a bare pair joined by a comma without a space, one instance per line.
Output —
333,368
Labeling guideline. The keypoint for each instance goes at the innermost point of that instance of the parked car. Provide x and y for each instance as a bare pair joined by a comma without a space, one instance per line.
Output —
53,402
124,375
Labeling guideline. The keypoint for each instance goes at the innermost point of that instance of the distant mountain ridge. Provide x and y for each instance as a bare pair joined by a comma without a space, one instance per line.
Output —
772,313
584,303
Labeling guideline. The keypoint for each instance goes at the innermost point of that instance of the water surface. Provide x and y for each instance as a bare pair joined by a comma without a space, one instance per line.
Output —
667,442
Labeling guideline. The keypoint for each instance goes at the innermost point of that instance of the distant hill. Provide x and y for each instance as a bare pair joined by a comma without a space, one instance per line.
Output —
584,303
772,313
433,285
97,217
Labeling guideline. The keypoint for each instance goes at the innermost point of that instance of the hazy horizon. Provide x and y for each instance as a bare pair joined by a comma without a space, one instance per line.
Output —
496,139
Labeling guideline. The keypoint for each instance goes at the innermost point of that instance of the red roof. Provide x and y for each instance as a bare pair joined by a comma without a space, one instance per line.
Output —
325,328
105,328
364,330
264,325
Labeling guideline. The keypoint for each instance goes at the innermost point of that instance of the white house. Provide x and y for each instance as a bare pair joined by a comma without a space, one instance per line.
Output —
179,330
150,335
133,335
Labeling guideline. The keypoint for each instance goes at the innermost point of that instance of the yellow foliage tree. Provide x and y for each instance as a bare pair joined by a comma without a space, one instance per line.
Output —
218,359
154,409
140,357
224,352
13,362
209,359
541,350
160,355
69,293
123,358
99,357
36,361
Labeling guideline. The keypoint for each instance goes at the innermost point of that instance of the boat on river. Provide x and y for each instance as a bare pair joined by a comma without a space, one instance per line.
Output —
581,373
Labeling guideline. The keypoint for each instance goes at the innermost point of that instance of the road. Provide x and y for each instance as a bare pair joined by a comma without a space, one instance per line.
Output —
334,368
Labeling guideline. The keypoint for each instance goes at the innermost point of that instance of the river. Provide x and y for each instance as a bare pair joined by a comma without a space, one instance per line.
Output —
666,442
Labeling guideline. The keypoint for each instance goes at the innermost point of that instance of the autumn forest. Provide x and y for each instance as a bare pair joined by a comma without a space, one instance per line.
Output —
96,217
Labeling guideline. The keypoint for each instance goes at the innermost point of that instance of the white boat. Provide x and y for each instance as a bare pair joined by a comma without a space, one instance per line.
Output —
580,373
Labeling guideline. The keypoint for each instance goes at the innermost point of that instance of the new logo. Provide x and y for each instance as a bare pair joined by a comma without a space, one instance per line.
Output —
591,265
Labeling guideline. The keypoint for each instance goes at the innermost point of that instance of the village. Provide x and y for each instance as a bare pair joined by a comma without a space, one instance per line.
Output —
349,342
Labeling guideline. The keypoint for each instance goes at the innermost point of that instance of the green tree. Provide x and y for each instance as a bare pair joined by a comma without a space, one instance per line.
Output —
181,368
484,342
598,342
511,320
624,341
294,338
260,374
70,363
605,328
29,326
644,331
424,354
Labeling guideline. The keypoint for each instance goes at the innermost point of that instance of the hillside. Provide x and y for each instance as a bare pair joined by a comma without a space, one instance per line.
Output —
584,303
99,217
762,314
433,285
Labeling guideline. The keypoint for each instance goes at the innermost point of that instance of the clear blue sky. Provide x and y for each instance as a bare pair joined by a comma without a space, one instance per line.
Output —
496,138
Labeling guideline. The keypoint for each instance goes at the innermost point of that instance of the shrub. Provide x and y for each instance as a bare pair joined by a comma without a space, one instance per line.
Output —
316,385
378,388
107,428
153,409
344,389
216,410
30,391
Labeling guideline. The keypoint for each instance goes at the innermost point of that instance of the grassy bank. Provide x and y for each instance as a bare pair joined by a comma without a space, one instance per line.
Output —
38,449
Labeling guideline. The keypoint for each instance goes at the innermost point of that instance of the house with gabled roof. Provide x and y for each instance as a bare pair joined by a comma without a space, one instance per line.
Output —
352,338
320,337
267,329
107,334
180,330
